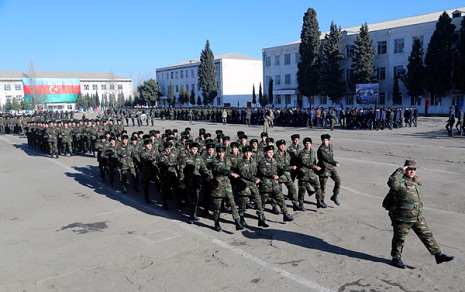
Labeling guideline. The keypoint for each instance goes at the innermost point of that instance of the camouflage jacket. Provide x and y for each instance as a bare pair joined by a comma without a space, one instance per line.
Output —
191,169
124,156
284,166
148,160
294,151
267,168
326,159
221,169
306,165
247,170
406,192
167,163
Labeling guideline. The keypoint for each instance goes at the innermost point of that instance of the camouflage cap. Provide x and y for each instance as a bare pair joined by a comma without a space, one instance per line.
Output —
410,163
220,148
269,140
264,134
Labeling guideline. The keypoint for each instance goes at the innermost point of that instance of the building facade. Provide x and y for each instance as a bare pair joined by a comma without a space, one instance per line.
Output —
15,85
392,41
237,75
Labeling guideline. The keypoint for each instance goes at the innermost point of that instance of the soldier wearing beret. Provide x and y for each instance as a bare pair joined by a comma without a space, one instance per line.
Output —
328,166
406,213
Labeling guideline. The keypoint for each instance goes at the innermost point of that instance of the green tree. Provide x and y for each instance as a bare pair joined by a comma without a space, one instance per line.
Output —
254,96
104,101
97,99
129,101
414,78
331,68
8,105
187,96
362,61
24,104
182,95
308,73
170,97
459,64
270,90
396,96
207,75
261,99
120,100
438,59
15,105
192,97
199,102
149,92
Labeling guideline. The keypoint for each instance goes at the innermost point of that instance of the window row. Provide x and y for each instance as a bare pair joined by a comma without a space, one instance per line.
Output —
102,87
8,86
181,74
277,59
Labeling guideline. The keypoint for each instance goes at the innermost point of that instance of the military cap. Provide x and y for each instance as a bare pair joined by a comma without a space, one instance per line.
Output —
103,137
167,131
264,134
268,148
220,148
118,135
202,130
194,144
210,145
124,137
226,138
325,136
247,148
164,135
50,122
269,140
234,144
280,142
184,137
169,138
187,129
253,141
175,130
146,136
112,138
295,136
134,133
410,163
308,139
147,141
243,136
239,133
135,138
140,132
207,135
124,131
167,144
157,131
220,136
219,132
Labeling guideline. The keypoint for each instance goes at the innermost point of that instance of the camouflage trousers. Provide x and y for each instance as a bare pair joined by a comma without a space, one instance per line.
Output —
291,191
52,147
193,198
306,186
244,198
276,198
337,183
401,229
223,192
123,175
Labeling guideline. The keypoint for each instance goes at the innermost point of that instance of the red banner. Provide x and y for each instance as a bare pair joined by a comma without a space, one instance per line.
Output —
52,89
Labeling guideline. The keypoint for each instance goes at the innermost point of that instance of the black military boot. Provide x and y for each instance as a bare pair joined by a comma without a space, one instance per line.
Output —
192,219
335,200
238,224
275,210
124,190
398,263
442,258
298,207
262,221
321,204
287,217
243,222
301,206
217,226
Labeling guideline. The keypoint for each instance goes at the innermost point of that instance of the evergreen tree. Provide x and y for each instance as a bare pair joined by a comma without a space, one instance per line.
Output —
15,104
438,59
364,54
414,78
331,68
120,101
97,99
396,97
24,104
192,99
199,101
149,92
459,66
171,97
254,96
8,105
207,75
181,95
270,90
308,73
104,101
187,97
261,99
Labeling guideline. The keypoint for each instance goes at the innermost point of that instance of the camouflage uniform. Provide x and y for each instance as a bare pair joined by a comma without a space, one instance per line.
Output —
328,169
284,167
126,164
307,176
51,134
167,163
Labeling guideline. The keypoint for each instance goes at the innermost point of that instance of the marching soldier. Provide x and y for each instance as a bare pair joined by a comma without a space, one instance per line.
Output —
307,175
284,171
328,166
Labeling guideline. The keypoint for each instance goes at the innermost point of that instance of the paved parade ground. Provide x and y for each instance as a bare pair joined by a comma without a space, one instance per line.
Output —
62,229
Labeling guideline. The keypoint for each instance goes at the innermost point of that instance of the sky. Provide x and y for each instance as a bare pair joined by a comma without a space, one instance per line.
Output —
133,38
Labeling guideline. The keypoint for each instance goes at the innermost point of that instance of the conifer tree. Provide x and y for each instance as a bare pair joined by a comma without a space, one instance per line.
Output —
459,66
192,99
270,91
207,75
414,78
364,54
396,97
254,96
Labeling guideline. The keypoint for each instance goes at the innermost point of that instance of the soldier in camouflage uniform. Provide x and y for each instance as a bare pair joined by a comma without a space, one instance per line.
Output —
167,164
248,187
148,165
101,159
191,168
208,157
125,162
328,166
284,171
406,213
109,150
221,188
67,139
307,175
294,150
51,134
268,173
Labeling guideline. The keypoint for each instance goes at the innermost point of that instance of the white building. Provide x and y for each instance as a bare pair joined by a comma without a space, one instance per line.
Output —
104,84
392,41
237,74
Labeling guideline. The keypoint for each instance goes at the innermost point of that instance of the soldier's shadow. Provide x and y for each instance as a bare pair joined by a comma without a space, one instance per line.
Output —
308,241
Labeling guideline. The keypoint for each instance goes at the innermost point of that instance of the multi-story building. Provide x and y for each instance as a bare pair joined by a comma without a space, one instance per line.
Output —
237,75
17,85
392,41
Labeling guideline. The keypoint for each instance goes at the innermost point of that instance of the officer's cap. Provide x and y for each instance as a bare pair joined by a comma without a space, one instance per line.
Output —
410,163
325,136
280,142
247,148
295,136
268,148
220,148
308,139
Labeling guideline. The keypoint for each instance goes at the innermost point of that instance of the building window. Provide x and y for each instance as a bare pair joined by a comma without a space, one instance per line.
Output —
8,97
287,79
7,87
277,60
297,58
382,98
172,74
278,98
193,86
288,98
17,86
187,73
349,73
86,87
177,88
382,47
120,87
350,51
218,100
436,100
103,87
287,59
94,87
19,97
192,72
398,45
176,74
182,74
112,87
277,79
267,61
415,100
323,99
398,70
382,73
400,98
